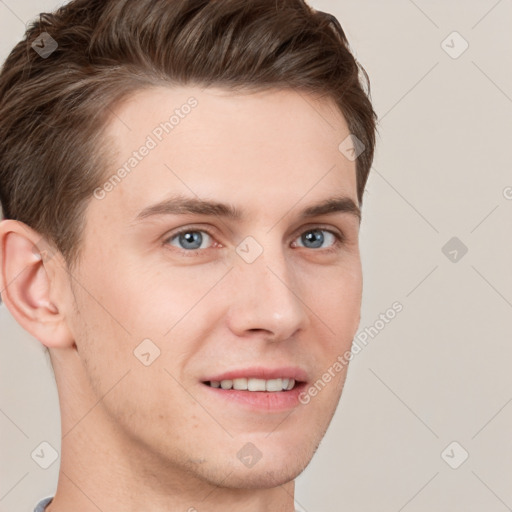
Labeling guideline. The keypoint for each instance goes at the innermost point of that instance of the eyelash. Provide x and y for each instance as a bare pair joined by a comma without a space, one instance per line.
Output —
339,240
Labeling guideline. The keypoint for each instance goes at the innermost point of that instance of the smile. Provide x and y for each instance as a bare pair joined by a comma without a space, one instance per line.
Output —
254,384
261,388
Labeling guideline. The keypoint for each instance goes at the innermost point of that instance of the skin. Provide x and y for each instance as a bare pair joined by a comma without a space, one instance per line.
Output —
135,435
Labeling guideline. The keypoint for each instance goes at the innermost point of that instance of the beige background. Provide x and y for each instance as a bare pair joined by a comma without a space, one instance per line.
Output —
439,372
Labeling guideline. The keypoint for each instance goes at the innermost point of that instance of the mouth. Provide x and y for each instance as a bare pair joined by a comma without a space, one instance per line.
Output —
254,384
259,389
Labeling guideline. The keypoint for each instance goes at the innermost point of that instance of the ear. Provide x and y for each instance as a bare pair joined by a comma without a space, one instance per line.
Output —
31,272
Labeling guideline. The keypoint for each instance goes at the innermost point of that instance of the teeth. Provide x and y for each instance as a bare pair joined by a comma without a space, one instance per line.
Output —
252,384
240,384
256,385
226,384
274,385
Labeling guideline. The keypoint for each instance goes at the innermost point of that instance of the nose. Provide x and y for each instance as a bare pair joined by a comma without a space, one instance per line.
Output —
266,297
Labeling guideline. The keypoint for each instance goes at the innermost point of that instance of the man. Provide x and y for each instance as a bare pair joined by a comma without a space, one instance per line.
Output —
181,183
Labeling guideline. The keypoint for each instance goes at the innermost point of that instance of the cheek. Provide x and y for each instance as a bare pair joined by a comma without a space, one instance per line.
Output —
148,300
338,296
175,303
338,307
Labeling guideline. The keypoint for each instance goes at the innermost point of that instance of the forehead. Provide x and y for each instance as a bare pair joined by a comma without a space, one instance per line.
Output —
214,143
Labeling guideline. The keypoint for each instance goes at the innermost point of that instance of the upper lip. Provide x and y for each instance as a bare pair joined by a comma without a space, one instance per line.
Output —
261,372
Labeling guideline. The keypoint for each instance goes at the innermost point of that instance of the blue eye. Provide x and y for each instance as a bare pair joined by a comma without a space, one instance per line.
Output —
190,240
314,238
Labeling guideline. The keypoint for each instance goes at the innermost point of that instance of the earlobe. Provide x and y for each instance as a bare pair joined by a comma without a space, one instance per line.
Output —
26,284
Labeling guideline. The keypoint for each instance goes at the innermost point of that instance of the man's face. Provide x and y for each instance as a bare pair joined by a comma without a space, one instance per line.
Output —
270,295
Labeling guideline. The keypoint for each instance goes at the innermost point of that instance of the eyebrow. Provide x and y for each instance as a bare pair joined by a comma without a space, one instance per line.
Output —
181,205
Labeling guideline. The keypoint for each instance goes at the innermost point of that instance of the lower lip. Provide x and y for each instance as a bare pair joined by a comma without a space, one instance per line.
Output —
269,401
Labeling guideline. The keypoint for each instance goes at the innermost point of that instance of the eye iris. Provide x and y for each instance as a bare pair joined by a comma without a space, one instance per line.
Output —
316,237
191,237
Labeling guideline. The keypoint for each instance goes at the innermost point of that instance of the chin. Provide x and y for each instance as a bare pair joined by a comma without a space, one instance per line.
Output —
265,477
277,466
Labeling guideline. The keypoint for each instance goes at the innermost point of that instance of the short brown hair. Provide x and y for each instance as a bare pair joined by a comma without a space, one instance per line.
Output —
54,108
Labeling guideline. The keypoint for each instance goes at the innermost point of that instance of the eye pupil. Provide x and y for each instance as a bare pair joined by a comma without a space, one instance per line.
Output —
315,237
191,237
